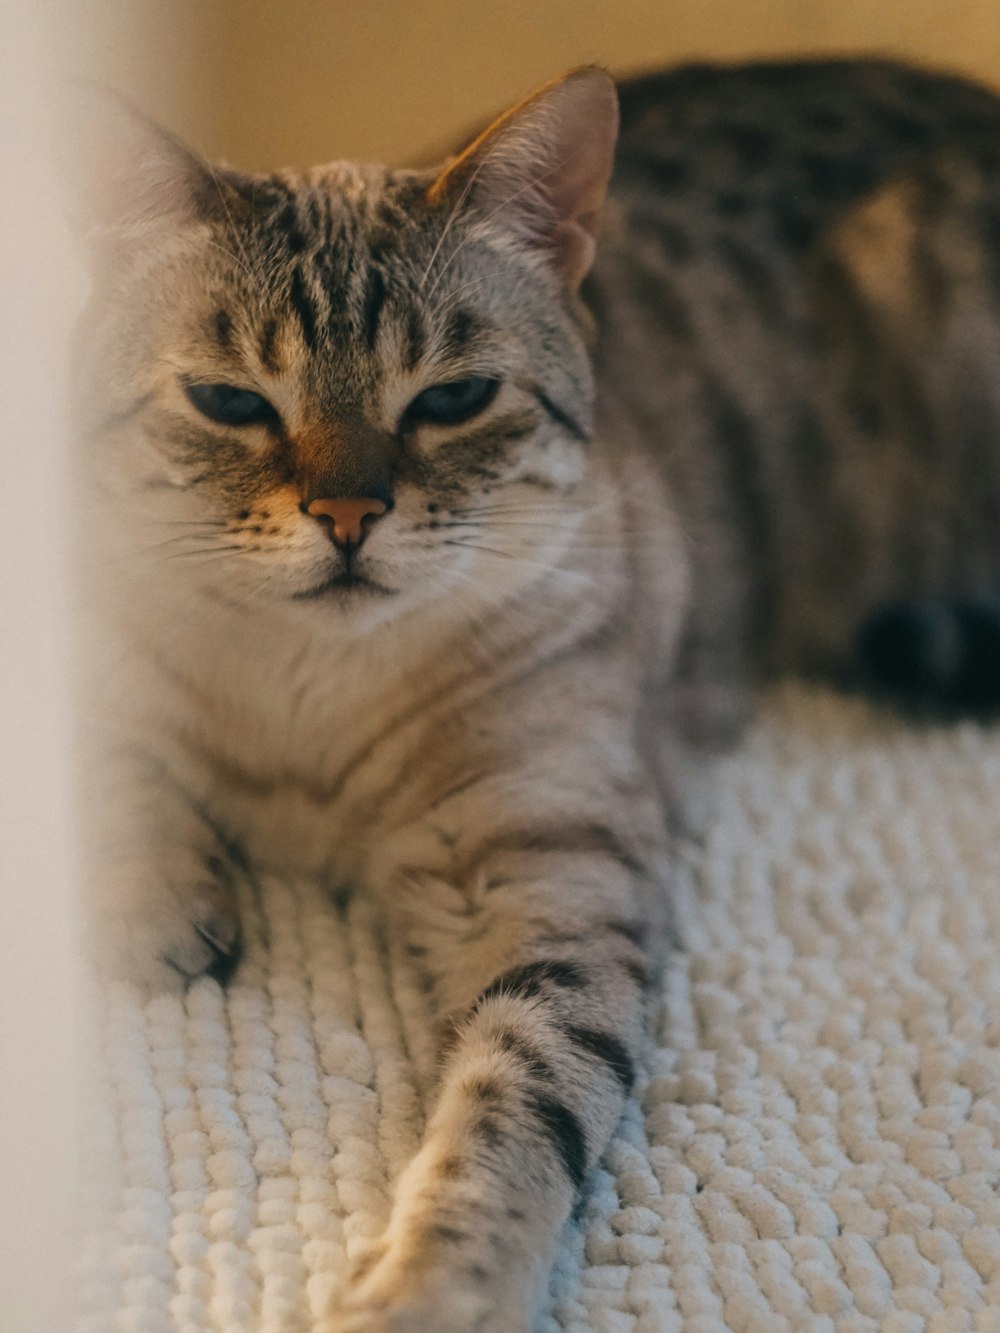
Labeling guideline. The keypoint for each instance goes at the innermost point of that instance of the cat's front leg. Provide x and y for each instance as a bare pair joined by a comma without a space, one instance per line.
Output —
537,955
160,900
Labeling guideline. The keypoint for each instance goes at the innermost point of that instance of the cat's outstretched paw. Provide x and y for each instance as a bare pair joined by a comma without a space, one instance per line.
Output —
160,926
438,1300
443,1318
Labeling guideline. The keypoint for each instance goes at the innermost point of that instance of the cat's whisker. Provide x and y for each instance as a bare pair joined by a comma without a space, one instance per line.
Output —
206,552
187,523
453,296
236,260
504,203
173,541
456,210
516,558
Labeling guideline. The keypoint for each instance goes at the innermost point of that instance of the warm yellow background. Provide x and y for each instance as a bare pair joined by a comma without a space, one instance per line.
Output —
270,82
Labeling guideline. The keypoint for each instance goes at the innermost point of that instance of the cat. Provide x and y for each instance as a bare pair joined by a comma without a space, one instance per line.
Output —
443,523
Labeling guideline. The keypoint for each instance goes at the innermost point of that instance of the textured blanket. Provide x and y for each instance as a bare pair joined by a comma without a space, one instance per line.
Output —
814,1142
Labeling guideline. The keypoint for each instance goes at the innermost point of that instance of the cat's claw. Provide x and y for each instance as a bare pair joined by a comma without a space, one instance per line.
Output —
159,934
212,945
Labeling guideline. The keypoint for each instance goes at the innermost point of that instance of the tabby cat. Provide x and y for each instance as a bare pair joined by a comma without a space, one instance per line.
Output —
439,547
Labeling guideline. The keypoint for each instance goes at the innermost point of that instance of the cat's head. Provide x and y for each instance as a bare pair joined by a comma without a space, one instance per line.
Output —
354,382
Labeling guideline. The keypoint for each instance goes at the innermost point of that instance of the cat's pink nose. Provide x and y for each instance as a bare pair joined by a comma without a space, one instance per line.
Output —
347,525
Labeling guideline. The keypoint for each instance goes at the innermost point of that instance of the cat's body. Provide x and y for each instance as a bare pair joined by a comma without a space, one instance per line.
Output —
797,293
795,422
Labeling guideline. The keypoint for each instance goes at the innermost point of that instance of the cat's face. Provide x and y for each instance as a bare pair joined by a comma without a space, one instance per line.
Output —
355,384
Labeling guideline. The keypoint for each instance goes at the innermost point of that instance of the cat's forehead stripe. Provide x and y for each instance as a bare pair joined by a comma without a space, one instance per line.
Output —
267,352
303,306
375,294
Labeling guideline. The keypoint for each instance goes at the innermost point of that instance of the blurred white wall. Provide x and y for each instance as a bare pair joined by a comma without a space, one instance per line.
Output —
40,287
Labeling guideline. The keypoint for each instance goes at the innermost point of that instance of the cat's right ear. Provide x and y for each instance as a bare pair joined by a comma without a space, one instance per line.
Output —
540,173
127,178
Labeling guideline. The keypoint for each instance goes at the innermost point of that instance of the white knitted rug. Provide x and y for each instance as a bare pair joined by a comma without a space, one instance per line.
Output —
814,1143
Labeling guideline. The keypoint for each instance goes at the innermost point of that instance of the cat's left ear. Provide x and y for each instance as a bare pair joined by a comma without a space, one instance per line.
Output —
128,179
541,171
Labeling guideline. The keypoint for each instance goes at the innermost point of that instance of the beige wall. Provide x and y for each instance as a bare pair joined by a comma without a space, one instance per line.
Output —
264,82
40,290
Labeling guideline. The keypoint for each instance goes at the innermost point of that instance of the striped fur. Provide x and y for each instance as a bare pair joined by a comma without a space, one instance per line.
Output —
715,466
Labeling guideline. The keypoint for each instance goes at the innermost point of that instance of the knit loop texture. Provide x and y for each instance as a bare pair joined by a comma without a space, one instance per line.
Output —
813,1143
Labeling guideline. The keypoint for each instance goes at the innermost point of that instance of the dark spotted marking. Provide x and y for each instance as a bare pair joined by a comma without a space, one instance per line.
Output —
669,173
753,273
268,335
530,979
415,338
677,244
824,120
303,307
589,838
375,295
755,147
907,128
607,1048
485,445
450,1168
487,1128
486,1090
732,203
287,221
834,178
665,233
563,1127
223,327
735,437
638,972
794,226
445,1233
526,1054
866,411
636,932
461,327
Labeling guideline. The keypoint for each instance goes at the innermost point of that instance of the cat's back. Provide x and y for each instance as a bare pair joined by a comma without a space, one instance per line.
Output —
798,307
780,148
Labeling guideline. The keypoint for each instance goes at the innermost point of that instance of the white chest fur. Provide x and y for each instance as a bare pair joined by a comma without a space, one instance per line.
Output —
265,710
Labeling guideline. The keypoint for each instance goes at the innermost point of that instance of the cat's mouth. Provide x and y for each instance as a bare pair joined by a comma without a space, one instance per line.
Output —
345,583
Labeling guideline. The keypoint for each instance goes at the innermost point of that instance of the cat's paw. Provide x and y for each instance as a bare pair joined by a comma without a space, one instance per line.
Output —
159,926
443,1317
437,1299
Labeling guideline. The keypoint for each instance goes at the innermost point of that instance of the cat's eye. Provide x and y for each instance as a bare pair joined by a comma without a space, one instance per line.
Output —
452,403
229,405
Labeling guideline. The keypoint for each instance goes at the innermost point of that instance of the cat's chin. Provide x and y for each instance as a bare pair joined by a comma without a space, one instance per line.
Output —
345,587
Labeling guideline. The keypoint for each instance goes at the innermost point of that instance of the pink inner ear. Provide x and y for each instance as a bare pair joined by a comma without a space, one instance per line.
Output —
573,247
